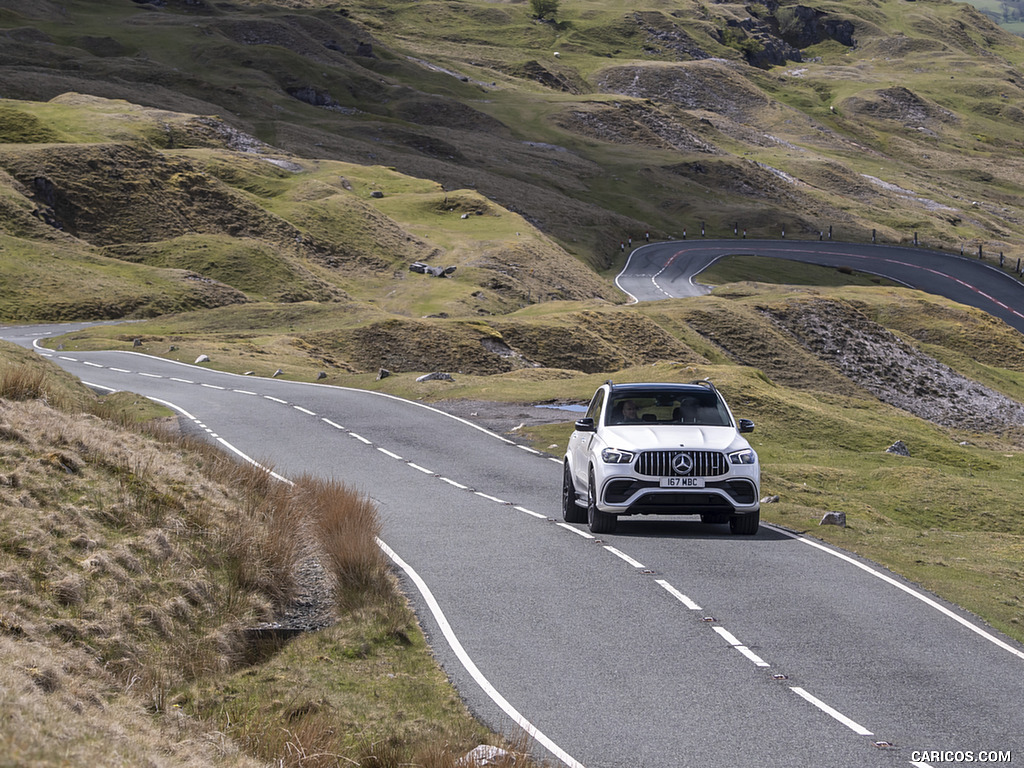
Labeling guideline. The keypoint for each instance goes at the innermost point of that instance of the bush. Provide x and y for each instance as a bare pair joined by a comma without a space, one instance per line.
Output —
544,8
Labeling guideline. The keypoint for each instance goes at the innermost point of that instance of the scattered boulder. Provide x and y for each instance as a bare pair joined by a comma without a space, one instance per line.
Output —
435,377
137,342
383,373
81,541
321,375
770,499
377,194
899,448
426,269
202,359
278,372
834,518
485,755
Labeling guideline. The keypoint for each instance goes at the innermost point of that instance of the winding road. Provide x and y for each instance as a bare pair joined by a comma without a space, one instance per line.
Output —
670,643
671,269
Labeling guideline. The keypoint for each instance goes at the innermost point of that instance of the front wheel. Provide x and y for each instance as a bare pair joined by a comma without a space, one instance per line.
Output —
571,512
598,521
745,525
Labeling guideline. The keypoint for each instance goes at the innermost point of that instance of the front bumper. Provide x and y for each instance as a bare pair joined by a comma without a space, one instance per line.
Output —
644,496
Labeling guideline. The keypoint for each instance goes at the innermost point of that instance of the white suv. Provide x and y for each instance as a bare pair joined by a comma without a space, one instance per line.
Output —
661,449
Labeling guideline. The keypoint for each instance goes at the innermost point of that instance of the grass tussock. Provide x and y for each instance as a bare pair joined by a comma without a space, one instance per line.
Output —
347,526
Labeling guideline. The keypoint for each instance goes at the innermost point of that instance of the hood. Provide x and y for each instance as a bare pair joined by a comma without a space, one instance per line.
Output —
672,437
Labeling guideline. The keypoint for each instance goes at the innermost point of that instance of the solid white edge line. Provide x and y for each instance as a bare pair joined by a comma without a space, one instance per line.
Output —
851,724
577,531
678,595
624,556
912,592
470,666
222,441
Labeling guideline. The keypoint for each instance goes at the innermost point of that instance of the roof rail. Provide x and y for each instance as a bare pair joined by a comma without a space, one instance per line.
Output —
705,383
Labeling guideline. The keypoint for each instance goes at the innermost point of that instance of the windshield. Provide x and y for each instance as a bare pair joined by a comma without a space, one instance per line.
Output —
698,407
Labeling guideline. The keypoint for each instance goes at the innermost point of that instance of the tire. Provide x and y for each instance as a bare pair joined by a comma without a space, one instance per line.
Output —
571,512
745,525
598,521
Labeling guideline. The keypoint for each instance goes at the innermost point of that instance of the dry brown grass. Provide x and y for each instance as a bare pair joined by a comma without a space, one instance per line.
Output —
22,384
346,525
128,566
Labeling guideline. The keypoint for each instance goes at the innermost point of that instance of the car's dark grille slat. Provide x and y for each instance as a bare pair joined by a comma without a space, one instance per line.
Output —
659,463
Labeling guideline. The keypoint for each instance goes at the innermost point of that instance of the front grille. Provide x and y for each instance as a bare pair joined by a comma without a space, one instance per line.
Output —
659,463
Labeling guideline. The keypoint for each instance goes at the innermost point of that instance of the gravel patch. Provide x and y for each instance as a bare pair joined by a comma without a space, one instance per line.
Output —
896,372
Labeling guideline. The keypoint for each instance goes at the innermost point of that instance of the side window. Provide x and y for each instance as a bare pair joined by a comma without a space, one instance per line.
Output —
594,411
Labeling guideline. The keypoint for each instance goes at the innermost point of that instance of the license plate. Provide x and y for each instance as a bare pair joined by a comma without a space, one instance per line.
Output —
682,482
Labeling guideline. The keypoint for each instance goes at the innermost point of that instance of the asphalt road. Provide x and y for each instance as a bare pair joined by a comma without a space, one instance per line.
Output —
671,270
669,643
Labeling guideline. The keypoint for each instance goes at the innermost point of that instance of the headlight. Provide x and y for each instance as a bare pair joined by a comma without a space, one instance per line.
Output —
616,456
746,456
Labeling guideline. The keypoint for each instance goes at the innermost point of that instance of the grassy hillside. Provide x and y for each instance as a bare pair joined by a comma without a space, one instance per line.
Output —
889,116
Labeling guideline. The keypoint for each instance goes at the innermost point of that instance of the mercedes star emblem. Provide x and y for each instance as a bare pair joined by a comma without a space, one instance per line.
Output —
682,463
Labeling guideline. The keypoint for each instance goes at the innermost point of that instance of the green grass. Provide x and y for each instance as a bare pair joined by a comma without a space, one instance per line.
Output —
63,281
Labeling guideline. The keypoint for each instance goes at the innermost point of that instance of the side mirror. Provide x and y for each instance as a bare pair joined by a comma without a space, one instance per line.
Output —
586,425
745,425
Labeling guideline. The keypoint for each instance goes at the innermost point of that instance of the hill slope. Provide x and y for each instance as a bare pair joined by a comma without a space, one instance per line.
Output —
597,126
